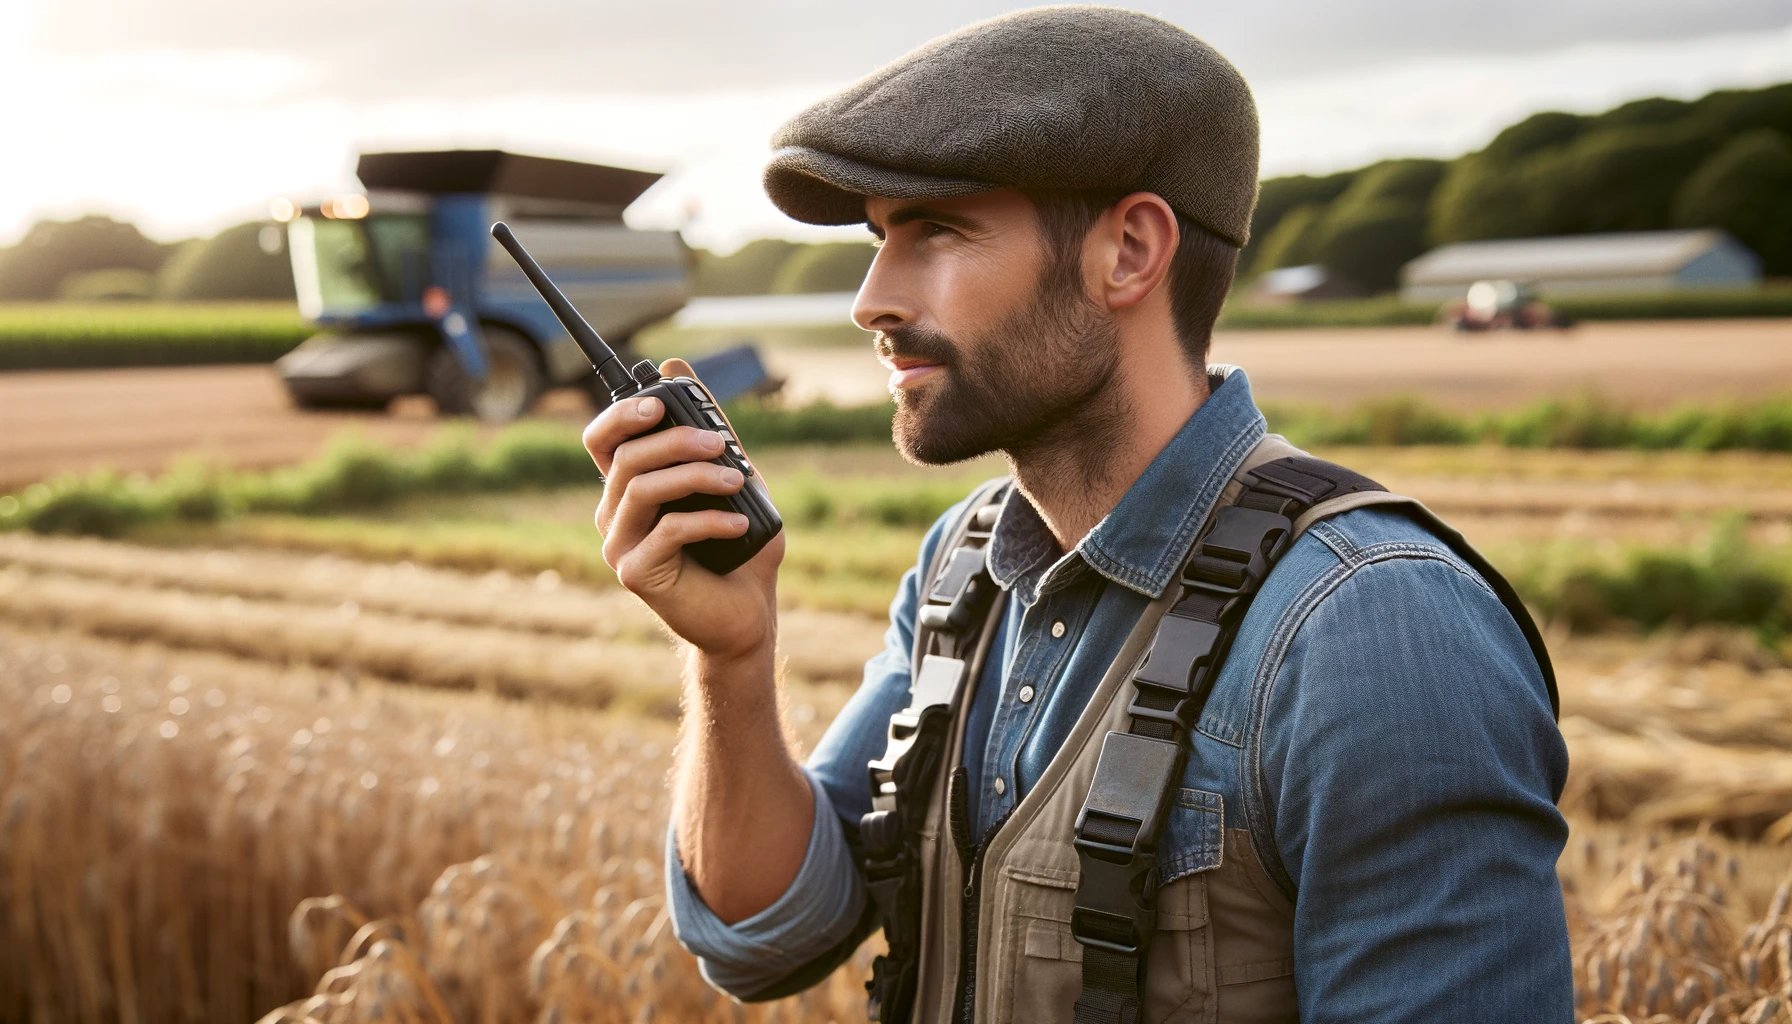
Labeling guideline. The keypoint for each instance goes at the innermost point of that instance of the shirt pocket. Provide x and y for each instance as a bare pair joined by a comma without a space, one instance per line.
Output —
1042,963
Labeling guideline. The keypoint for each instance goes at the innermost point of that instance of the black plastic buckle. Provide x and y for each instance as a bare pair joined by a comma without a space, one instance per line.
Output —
917,740
1116,842
1287,478
962,592
1178,649
1235,555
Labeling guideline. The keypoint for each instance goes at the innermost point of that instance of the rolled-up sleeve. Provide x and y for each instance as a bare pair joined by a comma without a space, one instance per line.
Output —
1410,764
812,916
823,916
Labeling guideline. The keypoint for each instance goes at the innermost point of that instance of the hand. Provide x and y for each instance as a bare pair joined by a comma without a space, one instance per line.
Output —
726,617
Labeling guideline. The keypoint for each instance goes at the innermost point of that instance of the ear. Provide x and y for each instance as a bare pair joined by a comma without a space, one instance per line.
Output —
1139,236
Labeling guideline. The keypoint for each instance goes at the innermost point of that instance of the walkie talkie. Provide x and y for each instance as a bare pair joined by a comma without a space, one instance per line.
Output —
686,403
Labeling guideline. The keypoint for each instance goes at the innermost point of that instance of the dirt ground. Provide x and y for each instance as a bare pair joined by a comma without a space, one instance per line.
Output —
56,421
1653,364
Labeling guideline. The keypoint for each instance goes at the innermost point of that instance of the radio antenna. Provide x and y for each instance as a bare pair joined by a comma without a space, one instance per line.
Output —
603,359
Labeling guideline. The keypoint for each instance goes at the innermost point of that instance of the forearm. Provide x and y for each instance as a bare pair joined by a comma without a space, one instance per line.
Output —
742,808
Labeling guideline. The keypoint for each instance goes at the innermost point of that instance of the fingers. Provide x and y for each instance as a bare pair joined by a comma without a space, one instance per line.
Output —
655,563
616,425
634,513
680,368
642,455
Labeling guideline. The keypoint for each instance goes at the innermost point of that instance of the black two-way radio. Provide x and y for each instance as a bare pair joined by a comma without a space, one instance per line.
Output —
686,403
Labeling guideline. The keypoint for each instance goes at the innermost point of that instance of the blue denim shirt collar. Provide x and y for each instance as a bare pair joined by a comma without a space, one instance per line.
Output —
1140,543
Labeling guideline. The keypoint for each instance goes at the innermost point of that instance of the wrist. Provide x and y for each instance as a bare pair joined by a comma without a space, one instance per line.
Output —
754,660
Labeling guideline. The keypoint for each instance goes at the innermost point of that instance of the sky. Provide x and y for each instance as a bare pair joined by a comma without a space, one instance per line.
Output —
187,116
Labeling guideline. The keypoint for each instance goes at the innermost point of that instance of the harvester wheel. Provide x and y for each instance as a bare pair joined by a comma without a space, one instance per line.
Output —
513,379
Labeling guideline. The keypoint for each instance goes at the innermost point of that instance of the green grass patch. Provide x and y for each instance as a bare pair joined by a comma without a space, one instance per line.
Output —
76,335
1585,422
844,556
354,473
357,474
1726,581
854,516
1377,311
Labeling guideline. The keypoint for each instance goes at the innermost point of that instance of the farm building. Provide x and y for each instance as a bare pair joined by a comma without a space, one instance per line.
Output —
1631,261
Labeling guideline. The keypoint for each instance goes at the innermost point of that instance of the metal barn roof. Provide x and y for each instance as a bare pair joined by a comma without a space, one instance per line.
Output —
498,172
1566,256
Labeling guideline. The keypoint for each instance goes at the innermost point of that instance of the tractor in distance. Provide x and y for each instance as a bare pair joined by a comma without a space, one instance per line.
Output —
410,295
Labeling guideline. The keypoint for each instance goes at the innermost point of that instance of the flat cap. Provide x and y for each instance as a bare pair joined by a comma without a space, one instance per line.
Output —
1070,97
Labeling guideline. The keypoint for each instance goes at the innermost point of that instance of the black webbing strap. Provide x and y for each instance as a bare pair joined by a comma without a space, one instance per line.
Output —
950,622
1138,770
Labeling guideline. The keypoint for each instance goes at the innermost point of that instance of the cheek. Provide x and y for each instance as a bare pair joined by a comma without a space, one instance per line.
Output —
974,292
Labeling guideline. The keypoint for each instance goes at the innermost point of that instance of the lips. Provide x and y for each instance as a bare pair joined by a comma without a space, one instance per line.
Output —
908,375
905,370
911,355
900,363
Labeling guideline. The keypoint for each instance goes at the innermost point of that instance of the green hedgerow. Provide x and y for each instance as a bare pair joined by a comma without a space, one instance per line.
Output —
535,456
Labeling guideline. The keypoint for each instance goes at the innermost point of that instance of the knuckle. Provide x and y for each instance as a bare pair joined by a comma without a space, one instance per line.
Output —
592,436
612,557
629,575
605,432
680,526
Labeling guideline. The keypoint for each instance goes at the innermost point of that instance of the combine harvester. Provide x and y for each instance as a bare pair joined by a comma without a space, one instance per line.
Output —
410,294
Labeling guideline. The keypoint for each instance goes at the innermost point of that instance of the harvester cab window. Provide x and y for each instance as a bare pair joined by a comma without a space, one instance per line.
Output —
347,266
401,254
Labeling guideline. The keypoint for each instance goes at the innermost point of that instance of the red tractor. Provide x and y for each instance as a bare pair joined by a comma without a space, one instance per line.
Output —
1494,305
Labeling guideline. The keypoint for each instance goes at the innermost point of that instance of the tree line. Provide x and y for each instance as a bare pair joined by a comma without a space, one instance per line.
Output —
1721,161
99,258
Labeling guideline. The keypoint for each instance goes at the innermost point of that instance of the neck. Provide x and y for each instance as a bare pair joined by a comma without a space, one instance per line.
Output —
1076,473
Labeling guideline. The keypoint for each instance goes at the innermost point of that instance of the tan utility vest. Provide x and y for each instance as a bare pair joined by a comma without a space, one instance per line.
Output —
1224,948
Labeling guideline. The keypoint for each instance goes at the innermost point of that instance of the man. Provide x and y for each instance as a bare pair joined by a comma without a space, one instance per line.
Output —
1365,829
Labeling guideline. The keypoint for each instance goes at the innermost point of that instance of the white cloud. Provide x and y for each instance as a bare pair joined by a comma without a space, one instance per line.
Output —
1442,107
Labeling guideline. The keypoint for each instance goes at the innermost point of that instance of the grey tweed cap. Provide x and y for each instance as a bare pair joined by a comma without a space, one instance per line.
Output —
1070,97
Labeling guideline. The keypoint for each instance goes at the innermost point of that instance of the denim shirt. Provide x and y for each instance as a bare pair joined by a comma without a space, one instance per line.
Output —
1380,727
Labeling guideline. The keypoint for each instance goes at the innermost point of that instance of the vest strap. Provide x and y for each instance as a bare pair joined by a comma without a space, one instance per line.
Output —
1138,771
953,619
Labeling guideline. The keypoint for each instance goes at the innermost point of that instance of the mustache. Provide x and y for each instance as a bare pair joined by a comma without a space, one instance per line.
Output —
916,343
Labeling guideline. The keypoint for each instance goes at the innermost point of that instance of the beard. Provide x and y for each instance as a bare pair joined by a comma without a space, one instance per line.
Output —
1036,384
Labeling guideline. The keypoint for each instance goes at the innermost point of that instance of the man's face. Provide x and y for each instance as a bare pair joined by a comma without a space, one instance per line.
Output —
992,338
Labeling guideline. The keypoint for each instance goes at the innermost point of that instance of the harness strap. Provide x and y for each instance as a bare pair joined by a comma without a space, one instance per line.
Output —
950,628
1138,770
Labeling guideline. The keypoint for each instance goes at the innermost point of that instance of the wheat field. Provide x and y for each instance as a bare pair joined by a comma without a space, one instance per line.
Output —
189,834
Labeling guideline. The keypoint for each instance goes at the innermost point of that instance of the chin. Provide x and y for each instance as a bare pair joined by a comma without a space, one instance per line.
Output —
936,434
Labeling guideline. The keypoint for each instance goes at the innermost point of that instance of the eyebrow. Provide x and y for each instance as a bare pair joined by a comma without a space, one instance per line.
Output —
909,214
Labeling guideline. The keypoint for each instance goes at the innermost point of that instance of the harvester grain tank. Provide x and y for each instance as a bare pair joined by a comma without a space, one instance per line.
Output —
410,296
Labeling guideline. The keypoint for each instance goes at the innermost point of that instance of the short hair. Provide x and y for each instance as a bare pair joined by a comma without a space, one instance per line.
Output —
1201,271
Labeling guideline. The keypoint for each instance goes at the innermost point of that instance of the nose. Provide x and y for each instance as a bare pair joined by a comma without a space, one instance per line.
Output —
884,300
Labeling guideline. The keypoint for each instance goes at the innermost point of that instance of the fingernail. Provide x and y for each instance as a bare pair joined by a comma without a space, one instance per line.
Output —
647,407
713,442
731,477
737,521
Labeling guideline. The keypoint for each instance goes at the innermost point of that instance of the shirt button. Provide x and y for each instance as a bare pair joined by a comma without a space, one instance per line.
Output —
1026,695
1001,787
1058,629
